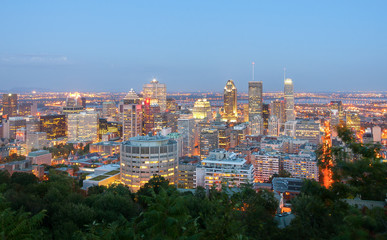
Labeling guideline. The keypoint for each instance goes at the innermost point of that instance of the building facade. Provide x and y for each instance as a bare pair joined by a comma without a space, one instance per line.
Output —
157,93
255,99
289,100
230,102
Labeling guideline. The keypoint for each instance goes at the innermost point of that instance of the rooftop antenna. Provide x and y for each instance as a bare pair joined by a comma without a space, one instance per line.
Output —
253,69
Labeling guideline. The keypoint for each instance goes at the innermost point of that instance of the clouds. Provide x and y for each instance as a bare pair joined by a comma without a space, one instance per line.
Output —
34,60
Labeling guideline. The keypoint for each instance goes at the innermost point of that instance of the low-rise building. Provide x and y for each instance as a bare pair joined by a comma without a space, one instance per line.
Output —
223,167
40,157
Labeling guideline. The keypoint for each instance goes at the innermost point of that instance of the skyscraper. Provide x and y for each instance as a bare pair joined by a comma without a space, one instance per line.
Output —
230,102
54,125
257,125
131,115
337,113
73,104
202,109
157,93
255,99
82,127
10,105
208,141
289,100
186,127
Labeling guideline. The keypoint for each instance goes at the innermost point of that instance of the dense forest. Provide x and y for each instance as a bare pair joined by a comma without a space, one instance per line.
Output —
59,209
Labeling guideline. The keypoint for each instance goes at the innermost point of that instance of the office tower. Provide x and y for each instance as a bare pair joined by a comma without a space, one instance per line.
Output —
131,115
55,125
36,140
277,109
27,109
308,130
73,104
145,156
10,105
265,165
82,127
150,113
265,116
274,126
12,125
186,127
230,102
301,166
222,167
172,105
224,133
202,109
109,109
238,134
337,113
353,121
289,100
179,140
257,125
208,141
83,102
245,112
32,124
186,173
172,121
157,93
255,99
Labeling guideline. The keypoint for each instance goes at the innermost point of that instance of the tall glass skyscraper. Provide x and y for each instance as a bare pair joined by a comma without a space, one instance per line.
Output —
10,105
157,93
255,99
289,100
230,102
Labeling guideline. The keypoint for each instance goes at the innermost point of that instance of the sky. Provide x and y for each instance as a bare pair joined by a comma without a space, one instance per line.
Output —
193,45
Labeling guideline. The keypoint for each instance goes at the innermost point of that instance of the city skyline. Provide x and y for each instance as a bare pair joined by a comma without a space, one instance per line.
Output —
190,46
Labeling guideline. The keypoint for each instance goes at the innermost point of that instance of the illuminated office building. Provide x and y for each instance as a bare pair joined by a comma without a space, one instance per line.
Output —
337,113
255,99
54,125
36,140
277,109
186,127
274,126
157,93
230,102
257,125
172,105
82,127
10,105
73,104
208,141
202,109
289,100
27,109
131,115
13,124
109,110
303,129
353,121
145,156
265,116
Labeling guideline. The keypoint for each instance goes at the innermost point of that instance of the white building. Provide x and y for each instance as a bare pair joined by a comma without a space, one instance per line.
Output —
36,140
222,167
131,115
256,125
145,156
265,165
82,127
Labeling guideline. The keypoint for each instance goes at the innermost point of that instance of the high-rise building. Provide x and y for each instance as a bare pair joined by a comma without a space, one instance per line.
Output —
257,125
274,126
27,109
109,109
145,156
289,100
303,129
353,121
265,116
186,127
337,113
10,105
54,125
73,104
13,124
82,127
202,109
157,93
172,105
131,115
230,102
222,167
255,99
36,140
208,141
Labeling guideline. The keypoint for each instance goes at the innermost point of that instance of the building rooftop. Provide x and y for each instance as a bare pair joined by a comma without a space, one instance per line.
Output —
38,153
287,184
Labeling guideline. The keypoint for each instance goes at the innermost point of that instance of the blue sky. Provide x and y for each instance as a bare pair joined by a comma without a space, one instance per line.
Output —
193,45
